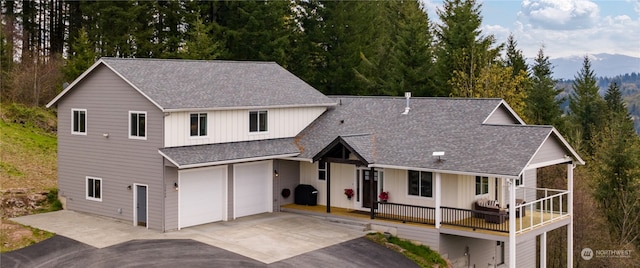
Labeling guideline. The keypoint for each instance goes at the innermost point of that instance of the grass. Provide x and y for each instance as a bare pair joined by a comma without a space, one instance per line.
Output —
28,160
420,254
28,148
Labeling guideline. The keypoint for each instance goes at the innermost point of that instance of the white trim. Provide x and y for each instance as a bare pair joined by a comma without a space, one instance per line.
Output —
506,105
146,123
86,188
227,161
86,120
198,136
228,108
438,194
441,171
135,207
558,161
258,132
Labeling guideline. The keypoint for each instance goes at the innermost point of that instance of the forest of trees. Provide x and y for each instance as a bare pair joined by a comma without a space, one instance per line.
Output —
355,48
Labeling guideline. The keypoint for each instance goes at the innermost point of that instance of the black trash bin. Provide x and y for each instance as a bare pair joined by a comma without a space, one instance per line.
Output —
306,195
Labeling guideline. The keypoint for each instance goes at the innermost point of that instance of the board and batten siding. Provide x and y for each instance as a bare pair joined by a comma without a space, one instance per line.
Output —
288,178
117,160
233,125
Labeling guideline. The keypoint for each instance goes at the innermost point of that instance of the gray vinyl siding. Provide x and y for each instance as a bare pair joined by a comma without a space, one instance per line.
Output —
171,198
288,178
530,178
426,236
482,253
550,150
230,192
501,116
118,160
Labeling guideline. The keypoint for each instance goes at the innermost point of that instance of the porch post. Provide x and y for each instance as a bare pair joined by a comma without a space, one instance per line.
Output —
372,193
543,250
328,190
570,168
438,192
512,222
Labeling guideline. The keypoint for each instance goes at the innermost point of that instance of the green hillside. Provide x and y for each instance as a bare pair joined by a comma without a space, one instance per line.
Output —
28,148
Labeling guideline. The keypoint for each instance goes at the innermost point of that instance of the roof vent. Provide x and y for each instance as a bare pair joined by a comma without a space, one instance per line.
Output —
407,95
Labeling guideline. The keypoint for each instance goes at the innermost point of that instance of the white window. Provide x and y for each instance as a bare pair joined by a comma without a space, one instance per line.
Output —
138,125
198,125
322,170
258,121
79,121
94,189
420,183
482,185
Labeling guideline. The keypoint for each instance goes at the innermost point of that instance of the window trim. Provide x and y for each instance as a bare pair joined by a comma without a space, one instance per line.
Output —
73,110
419,195
206,124
483,185
266,118
86,188
322,169
519,181
146,120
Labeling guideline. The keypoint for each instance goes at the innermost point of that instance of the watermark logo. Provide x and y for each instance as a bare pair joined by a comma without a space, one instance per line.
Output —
586,254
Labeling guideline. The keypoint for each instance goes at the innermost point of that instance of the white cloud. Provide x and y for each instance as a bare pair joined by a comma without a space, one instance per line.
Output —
560,14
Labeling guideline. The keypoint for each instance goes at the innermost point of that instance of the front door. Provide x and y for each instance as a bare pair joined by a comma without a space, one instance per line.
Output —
367,184
141,205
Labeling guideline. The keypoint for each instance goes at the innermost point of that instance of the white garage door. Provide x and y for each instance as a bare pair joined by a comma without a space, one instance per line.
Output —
252,188
202,196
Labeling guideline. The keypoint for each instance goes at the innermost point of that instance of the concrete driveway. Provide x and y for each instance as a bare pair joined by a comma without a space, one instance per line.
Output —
277,239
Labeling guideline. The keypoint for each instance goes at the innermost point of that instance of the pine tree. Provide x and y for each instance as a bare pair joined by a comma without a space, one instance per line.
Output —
200,46
542,107
515,59
461,47
618,114
586,106
82,57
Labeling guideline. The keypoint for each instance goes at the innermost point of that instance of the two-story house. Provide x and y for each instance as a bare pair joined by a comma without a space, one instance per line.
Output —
168,144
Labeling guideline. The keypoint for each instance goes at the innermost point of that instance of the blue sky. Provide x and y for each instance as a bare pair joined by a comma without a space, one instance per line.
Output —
564,27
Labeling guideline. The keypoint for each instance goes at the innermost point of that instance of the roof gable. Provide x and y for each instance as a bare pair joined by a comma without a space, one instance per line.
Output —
504,115
174,85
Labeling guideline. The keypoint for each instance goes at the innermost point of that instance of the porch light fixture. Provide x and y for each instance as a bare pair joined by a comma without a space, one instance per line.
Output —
128,187
275,173
175,184
439,154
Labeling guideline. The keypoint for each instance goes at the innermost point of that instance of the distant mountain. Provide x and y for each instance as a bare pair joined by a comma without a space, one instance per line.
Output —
609,65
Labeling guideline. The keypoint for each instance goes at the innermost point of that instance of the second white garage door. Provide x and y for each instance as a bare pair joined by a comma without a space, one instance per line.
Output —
202,196
252,188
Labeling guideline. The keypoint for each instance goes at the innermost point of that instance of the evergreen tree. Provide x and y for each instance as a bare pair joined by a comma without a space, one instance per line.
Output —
586,106
461,47
618,113
542,107
515,59
82,57
200,45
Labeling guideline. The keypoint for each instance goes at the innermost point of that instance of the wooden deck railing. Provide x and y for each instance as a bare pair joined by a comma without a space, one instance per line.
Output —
476,219
405,213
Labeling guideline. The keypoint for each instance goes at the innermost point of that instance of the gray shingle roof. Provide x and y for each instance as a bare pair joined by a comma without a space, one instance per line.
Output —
433,124
194,84
229,152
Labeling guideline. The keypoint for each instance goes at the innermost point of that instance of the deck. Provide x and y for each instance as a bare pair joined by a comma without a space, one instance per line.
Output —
531,221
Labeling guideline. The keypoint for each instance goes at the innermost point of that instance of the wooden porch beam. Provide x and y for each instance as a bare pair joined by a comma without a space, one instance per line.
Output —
344,161
372,192
328,190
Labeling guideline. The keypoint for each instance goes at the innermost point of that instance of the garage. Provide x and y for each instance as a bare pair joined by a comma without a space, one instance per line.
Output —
252,188
202,196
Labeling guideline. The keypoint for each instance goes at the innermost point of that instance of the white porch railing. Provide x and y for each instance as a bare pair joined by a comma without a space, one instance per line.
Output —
549,205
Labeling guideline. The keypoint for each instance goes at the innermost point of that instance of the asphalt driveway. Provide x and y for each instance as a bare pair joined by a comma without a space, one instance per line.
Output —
268,240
